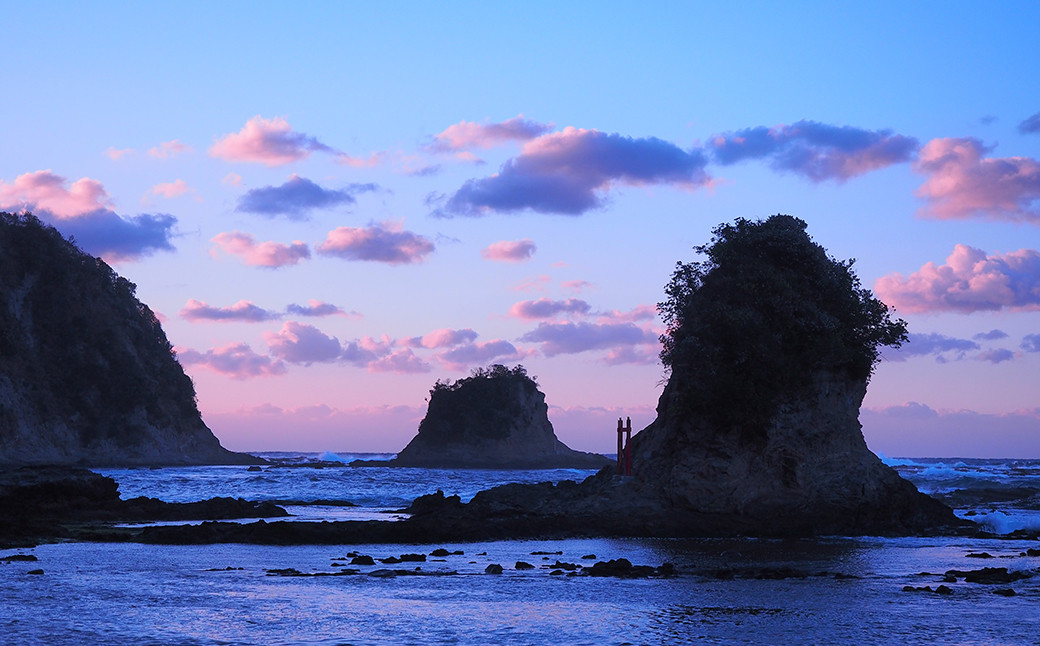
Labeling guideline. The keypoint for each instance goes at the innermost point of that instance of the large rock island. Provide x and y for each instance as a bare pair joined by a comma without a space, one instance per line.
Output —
496,418
87,375
770,345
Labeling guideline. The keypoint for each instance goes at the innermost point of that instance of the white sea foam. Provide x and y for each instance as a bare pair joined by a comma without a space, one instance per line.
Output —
1001,522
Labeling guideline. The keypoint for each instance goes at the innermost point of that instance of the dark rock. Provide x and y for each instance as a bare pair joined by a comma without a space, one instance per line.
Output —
979,555
390,560
989,575
589,557
494,568
362,559
35,572
87,375
413,557
523,565
495,419
560,565
254,468
1005,592
18,557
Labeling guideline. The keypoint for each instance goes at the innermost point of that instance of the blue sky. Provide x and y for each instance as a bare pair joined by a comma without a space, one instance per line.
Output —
333,205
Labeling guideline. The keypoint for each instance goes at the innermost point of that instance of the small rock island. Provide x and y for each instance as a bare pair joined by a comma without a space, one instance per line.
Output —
87,375
496,418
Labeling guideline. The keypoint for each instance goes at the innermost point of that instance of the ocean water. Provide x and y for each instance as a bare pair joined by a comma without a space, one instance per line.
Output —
735,591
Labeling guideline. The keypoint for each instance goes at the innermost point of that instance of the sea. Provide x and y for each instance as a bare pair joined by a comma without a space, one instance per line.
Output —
829,590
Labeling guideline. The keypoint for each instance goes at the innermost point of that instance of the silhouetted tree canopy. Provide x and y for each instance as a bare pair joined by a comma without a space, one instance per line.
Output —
766,310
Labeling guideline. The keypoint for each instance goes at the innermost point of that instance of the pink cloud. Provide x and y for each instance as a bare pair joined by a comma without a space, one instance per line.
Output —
570,172
272,142
818,151
318,308
169,149
232,179
262,254
444,338
44,190
361,162
469,355
467,134
302,343
510,251
970,281
544,308
962,183
115,154
170,189
535,284
577,286
236,360
638,313
385,242
242,311
401,361
640,355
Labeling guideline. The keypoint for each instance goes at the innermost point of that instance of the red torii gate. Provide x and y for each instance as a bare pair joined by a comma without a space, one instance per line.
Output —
624,447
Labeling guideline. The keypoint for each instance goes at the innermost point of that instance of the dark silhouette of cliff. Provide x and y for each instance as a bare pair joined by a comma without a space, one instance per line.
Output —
86,373
494,419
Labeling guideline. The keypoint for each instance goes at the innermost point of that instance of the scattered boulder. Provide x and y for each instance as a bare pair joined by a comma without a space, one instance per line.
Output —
494,568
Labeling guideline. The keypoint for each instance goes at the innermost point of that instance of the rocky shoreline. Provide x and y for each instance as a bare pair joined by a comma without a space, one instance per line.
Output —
43,504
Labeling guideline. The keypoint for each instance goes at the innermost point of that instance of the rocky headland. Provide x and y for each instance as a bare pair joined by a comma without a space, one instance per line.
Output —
496,418
87,375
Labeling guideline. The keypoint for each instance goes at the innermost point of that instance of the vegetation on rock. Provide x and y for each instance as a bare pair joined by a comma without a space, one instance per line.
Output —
765,311
488,393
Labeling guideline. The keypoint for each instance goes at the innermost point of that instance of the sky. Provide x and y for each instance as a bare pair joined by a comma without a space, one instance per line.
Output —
332,206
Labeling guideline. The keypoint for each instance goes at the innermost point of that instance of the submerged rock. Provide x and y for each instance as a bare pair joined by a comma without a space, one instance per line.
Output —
495,419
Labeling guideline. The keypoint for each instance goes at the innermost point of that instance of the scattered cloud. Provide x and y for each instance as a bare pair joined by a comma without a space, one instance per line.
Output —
170,190
633,354
302,343
1031,343
510,251
318,308
444,338
296,197
386,242
169,149
577,286
572,338
1030,125
962,183
81,209
115,154
232,179
236,360
816,151
996,355
992,335
544,308
401,361
469,355
970,281
242,311
569,172
118,238
360,162
271,142
943,348
467,135
260,254
533,284
637,313
46,191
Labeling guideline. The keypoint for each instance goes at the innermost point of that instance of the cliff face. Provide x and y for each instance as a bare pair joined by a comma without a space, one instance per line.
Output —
86,373
811,472
495,419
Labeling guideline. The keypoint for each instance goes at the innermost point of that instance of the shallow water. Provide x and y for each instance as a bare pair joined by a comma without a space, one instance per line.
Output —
148,594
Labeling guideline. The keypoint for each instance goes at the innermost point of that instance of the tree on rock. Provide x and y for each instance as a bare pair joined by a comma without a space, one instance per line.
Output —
767,309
